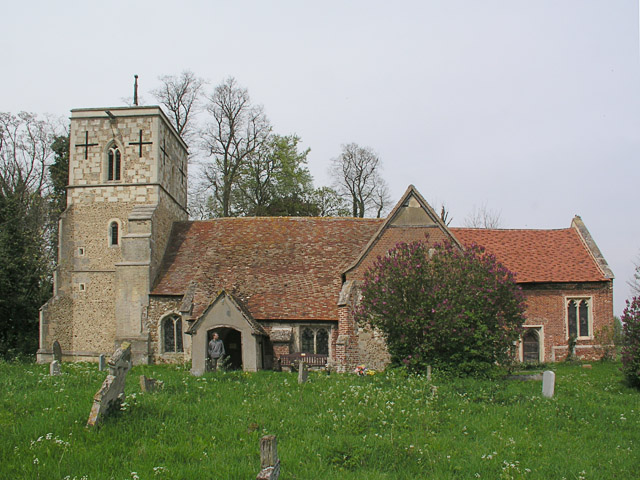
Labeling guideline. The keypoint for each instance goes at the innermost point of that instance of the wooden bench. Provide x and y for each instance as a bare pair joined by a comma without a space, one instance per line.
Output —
311,359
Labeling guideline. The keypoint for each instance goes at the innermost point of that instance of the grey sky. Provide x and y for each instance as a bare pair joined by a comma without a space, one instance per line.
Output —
530,107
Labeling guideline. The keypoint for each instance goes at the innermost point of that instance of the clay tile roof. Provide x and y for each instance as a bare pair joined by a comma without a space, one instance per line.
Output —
279,267
537,255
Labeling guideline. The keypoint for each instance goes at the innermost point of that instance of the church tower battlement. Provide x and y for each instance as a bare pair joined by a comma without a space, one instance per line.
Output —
127,185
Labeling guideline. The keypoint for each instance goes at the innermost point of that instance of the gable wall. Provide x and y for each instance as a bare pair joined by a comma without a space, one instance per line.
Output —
546,306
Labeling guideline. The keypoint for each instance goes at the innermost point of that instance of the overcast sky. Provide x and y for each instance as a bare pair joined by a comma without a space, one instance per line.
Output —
530,107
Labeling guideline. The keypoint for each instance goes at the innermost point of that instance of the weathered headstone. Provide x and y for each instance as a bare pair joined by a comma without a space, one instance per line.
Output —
102,362
548,383
269,461
57,351
303,372
111,394
428,373
150,385
54,368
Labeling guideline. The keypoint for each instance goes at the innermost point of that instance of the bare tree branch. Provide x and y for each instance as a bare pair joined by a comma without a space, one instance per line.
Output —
356,176
483,217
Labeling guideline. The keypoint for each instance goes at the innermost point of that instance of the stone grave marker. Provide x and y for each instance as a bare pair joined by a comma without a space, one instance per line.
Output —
111,394
269,461
54,368
57,351
102,362
548,383
428,373
303,372
150,385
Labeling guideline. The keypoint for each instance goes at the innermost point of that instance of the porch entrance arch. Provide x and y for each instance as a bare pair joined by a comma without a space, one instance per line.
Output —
232,340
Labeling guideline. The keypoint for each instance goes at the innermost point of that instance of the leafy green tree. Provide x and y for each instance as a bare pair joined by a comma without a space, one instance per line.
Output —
459,310
329,203
26,254
631,341
276,181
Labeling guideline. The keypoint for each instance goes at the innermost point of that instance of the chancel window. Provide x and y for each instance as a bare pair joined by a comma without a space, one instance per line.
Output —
314,340
172,334
578,317
113,164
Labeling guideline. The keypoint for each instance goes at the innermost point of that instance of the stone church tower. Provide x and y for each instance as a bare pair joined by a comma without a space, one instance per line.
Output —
127,185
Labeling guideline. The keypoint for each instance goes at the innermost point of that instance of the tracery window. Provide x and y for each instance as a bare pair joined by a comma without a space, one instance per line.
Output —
172,334
315,340
113,164
578,317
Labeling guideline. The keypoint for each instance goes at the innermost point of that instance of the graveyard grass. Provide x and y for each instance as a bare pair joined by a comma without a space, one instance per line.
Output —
385,426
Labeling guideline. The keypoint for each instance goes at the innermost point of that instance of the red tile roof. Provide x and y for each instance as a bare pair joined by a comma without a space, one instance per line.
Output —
280,267
537,255
290,268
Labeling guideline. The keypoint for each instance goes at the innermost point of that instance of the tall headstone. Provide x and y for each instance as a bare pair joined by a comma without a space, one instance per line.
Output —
111,394
57,351
269,461
303,372
54,368
102,362
548,383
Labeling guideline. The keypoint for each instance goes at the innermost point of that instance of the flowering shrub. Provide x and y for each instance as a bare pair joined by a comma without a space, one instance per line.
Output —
453,309
631,343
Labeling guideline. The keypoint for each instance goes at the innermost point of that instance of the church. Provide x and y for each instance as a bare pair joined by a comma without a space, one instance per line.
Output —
132,267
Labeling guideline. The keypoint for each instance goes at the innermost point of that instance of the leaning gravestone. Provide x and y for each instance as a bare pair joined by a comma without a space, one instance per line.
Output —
548,383
57,351
303,372
54,368
111,394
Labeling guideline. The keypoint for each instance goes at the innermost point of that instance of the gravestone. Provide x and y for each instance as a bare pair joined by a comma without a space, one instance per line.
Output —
102,362
269,461
110,396
54,368
548,383
428,373
57,351
150,385
303,372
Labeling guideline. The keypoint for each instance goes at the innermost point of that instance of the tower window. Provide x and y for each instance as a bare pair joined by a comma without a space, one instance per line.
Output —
113,234
113,164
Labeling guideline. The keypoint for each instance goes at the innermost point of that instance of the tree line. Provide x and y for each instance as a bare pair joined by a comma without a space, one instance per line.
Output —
244,168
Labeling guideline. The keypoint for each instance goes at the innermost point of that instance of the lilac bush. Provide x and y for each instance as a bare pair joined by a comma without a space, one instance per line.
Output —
456,310
631,341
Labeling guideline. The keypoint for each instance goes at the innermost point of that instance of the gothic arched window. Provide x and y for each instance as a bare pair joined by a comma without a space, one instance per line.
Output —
113,234
578,317
113,164
172,334
314,340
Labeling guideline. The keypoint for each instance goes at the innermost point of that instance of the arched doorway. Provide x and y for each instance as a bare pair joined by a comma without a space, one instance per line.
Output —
531,346
232,340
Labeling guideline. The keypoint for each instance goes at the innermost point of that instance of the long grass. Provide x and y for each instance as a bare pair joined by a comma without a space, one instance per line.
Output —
386,426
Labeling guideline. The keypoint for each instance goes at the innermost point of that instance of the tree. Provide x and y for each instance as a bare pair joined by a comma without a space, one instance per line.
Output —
356,175
237,131
181,96
631,341
482,217
459,310
329,203
26,253
275,180
634,283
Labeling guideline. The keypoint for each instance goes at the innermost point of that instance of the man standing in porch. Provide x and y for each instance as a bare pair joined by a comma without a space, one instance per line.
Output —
216,351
